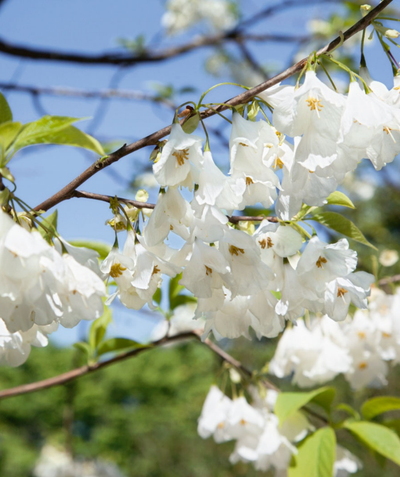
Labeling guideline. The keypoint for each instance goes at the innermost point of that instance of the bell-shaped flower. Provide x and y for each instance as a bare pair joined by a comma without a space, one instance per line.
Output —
15,347
339,293
214,414
206,270
321,263
171,213
209,223
216,189
249,273
314,111
180,159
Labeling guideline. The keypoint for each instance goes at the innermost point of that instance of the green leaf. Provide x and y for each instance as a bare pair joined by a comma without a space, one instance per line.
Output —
103,249
5,111
50,223
393,424
98,328
174,288
316,455
338,198
181,300
340,224
118,344
8,132
72,136
157,296
191,124
38,131
83,347
346,408
378,405
288,403
379,438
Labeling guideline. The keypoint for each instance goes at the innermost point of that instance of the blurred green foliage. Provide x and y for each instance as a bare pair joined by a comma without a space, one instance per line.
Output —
142,413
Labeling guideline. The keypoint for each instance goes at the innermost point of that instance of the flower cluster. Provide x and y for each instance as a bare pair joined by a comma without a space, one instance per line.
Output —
260,278
359,348
260,439
41,288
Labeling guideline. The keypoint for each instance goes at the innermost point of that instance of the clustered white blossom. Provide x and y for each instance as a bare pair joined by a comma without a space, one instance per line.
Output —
360,348
41,288
260,439
260,279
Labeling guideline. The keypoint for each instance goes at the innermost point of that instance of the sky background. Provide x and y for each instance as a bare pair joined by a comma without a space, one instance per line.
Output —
93,26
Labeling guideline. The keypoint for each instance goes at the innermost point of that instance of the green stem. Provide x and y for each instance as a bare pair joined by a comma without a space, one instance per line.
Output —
216,86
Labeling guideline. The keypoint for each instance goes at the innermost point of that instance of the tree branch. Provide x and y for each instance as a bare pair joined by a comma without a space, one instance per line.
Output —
150,57
68,191
234,219
80,93
87,369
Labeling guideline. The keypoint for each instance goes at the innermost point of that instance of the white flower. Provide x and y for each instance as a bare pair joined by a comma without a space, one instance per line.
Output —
320,263
388,258
172,213
314,111
180,159
15,347
342,291
207,269
214,414
345,463
249,273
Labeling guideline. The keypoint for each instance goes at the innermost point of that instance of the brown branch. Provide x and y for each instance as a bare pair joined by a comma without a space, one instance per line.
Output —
79,93
234,219
87,369
149,57
386,281
68,191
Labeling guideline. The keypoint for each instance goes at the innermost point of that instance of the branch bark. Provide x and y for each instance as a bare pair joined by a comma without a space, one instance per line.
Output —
68,191
235,34
234,219
87,369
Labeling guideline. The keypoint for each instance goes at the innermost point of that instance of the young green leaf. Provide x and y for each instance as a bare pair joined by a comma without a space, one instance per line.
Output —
174,287
288,403
50,222
191,124
181,300
84,348
316,455
8,132
69,136
157,296
378,405
5,111
99,328
340,224
38,131
379,438
338,198
117,344
103,249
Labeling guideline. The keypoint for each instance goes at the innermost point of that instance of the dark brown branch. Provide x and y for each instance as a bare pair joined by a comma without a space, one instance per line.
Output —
68,191
234,219
147,56
87,369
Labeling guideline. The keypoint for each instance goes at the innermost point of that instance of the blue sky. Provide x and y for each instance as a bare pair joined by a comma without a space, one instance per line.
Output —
93,26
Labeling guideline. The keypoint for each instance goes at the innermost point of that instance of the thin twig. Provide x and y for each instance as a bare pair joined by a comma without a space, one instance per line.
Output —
234,219
68,191
386,281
